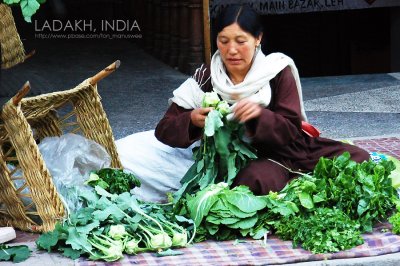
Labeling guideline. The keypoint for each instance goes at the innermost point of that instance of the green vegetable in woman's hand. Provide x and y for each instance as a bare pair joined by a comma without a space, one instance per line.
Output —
222,152
223,107
210,99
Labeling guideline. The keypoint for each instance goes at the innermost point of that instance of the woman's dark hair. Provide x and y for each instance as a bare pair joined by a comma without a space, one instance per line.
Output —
244,15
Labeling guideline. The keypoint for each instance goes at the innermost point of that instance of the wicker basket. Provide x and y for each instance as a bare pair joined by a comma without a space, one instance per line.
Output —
12,49
23,125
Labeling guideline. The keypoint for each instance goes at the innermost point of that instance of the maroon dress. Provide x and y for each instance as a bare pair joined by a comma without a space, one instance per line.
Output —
276,135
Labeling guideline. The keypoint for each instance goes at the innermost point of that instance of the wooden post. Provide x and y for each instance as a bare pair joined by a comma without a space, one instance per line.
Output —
149,34
184,24
174,33
157,29
196,50
165,30
206,27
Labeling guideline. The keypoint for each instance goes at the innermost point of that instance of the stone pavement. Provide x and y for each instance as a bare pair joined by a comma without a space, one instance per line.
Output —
361,107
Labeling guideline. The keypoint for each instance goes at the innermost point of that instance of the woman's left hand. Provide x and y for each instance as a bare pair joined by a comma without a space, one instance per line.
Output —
246,110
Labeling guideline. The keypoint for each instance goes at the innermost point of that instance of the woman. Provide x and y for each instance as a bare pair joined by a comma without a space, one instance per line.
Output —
267,98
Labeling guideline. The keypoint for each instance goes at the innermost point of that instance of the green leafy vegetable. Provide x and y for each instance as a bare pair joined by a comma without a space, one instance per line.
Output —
117,231
224,212
325,230
106,248
325,211
363,191
395,221
14,253
116,181
338,202
111,224
210,99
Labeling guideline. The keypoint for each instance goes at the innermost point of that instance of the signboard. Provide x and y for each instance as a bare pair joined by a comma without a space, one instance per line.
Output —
265,7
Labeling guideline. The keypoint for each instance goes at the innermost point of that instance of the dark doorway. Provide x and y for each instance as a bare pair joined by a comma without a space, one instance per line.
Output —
332,43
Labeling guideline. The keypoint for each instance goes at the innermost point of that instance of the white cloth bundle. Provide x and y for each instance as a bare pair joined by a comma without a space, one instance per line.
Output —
159,167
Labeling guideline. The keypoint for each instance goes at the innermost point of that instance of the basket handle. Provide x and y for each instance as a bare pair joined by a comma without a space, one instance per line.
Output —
105,72
30,54
21,93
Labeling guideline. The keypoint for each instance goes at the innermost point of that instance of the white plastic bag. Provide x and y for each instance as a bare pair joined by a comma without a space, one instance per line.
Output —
70,158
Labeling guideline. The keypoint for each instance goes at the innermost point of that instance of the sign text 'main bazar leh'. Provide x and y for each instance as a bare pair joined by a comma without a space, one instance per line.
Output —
302,6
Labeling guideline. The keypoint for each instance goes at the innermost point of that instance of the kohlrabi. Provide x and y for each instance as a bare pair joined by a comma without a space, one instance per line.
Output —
210,99
109,249
117,232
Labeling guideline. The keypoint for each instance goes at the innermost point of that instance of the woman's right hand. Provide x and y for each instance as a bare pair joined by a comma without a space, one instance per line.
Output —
198,116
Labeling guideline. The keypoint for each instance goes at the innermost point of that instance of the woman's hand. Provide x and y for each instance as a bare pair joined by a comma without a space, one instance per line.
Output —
198,116
246,110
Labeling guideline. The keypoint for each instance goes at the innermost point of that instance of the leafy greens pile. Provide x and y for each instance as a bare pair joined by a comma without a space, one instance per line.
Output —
324,212
222,152
363,191
341,200
113,224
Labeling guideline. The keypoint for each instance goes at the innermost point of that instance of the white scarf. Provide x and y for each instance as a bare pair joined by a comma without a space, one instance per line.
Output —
255,86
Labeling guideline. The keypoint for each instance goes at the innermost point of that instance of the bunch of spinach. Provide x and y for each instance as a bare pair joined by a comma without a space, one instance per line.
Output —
338,202
363,191
222,152
321,231
115,181
112,224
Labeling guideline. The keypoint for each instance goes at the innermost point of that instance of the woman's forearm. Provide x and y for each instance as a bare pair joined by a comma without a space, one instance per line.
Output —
176,129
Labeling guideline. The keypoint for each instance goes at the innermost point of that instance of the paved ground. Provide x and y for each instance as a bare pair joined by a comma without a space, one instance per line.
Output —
135,97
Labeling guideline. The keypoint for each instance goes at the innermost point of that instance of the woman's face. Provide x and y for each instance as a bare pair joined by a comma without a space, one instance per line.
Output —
237,48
